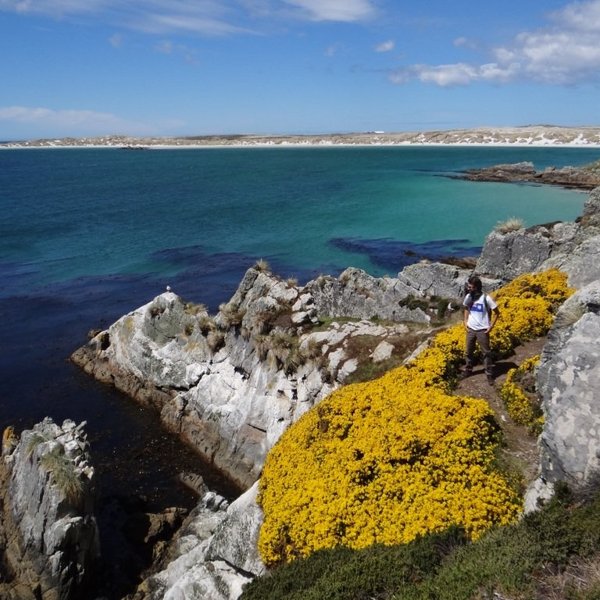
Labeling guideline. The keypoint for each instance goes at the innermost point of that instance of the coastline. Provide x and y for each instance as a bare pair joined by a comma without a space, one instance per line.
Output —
534,136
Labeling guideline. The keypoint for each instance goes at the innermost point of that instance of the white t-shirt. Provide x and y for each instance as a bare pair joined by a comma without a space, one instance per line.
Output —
478,314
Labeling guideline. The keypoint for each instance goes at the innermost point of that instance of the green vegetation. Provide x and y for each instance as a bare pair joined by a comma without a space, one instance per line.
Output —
593,167
553,553
231,315
63,473
520,397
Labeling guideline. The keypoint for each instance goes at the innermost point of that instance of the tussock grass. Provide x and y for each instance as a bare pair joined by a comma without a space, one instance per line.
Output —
512,224
63,474
262,266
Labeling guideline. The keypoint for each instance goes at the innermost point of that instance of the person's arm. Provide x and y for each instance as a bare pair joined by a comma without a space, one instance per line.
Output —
495,316
465,316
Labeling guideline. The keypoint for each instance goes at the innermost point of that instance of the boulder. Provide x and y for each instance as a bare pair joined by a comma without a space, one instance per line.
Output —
357,294
50,531
508,255
435,279
569,384
570,247
213,555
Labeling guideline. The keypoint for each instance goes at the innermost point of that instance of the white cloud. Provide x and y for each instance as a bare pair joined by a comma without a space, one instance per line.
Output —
387,46
446,75
559,57
70,122
333,49
167,47
464,42
206,17
580,16
55,8
164,47
566,52
335,10
190,22
498,73
116,40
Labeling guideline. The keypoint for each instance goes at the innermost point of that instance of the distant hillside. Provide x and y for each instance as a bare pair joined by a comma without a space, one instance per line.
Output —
530,135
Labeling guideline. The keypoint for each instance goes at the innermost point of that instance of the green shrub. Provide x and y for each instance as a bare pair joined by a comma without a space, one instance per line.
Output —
519,396
343,574
517,561
64,474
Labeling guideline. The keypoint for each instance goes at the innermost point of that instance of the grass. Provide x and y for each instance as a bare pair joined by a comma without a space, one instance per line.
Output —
63,474
362,346
512,224
262,266
553,553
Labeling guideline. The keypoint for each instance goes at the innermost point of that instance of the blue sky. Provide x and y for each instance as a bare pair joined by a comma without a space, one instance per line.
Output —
196,67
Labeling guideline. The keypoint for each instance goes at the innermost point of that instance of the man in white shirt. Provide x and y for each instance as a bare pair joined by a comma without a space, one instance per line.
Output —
480,316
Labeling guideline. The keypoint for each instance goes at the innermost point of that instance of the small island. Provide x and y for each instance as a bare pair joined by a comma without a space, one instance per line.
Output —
583,178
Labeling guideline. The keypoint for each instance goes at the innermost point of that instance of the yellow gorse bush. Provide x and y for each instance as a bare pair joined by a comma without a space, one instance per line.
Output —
520,406
398,457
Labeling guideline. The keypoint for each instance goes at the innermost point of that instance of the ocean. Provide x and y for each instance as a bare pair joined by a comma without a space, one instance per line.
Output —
87,235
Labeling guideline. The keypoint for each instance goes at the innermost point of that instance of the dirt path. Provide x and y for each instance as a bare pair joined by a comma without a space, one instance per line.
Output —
520,448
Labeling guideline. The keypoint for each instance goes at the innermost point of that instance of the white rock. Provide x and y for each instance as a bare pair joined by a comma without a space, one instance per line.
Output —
382,352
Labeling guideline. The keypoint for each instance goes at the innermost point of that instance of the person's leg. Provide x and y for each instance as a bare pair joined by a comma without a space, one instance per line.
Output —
470,350
483,339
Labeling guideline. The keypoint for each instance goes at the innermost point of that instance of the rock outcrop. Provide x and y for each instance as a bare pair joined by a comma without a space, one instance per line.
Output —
570,247
585,178
569,384
357,294
49,537
213,555
231,384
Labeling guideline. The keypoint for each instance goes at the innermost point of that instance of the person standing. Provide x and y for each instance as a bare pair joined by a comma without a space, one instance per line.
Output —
480,316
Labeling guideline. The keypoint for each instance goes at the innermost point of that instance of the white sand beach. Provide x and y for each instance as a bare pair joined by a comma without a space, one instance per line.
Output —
486,136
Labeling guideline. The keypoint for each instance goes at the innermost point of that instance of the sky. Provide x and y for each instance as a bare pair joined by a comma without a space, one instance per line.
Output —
199,67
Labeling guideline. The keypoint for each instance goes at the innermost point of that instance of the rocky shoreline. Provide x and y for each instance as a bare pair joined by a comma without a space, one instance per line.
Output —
229,384
582,178
530,135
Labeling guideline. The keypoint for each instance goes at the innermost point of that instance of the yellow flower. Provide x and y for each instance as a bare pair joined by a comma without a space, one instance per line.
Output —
522,409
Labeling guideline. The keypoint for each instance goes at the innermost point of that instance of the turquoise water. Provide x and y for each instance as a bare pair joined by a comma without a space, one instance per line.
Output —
70,213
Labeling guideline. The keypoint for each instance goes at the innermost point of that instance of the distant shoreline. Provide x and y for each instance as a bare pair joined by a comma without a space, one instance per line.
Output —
530,136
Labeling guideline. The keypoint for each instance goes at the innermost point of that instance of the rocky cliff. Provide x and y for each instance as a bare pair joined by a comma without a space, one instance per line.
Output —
230,384
569,385
48,533
571,247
